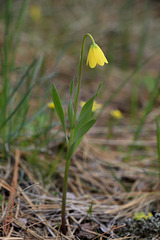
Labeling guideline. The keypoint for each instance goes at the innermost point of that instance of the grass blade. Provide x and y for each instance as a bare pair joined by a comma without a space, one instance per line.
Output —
17,107
21,80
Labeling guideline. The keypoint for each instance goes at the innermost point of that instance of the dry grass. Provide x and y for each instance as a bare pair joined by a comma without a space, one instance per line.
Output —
97,178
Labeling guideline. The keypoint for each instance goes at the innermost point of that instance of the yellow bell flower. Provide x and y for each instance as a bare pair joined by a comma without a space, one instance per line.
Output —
116,114
96,56
51,105
95,106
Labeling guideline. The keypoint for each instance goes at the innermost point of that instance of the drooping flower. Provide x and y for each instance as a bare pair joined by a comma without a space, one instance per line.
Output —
116,114
95,106
95,56
51,105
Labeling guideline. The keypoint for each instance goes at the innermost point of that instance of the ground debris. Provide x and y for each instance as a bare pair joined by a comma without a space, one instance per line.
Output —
141,229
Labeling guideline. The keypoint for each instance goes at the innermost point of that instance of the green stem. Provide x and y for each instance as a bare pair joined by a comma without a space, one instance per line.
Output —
80,74
158,144
63,226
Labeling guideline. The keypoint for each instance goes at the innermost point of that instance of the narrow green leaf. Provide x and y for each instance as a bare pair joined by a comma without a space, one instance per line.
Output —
72,87
21,80
37,68
86,117
77,143
84,129
21,126
58,107
17,107
75,95
70,113
58,59
16,32
98,89
87,108
47,77
70,105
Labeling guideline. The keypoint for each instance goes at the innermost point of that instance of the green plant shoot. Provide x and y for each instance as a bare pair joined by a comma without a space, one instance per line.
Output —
158,144
80,125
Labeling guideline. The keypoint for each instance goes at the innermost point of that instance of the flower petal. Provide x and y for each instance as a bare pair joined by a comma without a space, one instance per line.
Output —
88,56
99,55
91,58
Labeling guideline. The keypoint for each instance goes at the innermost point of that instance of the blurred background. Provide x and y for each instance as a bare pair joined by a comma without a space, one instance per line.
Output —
40,44
126,30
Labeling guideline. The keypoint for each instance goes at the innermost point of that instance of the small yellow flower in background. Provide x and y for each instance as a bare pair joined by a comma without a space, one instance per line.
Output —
51,105
150,214
35,13
116,114
95,106
82,103
96,56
